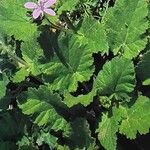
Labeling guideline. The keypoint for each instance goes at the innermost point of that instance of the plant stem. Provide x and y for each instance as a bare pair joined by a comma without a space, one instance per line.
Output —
69,23
56,26
61,57
13,56
16,58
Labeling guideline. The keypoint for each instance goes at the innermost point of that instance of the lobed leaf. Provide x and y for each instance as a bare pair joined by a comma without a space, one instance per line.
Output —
85,100
136,118
93,33
126,23
13,20
65,75
107,132
32,53
42,103
83,139
117,78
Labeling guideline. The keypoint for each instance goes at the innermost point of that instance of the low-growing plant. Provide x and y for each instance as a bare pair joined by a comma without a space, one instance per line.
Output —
73,73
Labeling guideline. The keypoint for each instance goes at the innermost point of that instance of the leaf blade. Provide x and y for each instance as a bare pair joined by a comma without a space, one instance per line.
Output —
125,24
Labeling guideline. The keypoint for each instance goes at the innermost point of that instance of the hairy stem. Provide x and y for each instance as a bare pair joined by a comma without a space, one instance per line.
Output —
69,23
7,50
56,26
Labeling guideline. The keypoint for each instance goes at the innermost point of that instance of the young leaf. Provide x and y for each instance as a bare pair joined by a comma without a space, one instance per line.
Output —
126,23
93,33
117,77
42,103
137,118
143,68
13,20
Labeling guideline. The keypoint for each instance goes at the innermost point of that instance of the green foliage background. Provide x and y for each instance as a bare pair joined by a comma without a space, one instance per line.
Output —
55,73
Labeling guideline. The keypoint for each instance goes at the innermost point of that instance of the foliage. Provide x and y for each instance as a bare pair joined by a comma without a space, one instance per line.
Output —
126,23
3,83
76,80
120,72
143,68
107,132
12,14
93,33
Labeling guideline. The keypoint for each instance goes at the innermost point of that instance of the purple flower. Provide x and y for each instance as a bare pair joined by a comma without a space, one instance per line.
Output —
41,7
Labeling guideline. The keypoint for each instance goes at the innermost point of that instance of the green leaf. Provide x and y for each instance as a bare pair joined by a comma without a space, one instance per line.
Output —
11,125
85,100
143,68
146,82
47,138
3,83
108,127
136,118
8,126
60,124
32,53
93,33
66,75
81,135
64,147
11,128
25,144
117,78
20,75
5,101
42,104
68,5
13,20
126,22
107,132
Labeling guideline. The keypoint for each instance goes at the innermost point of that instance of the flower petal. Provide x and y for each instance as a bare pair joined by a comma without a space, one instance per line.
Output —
49,3
49,11
30,5
36,13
